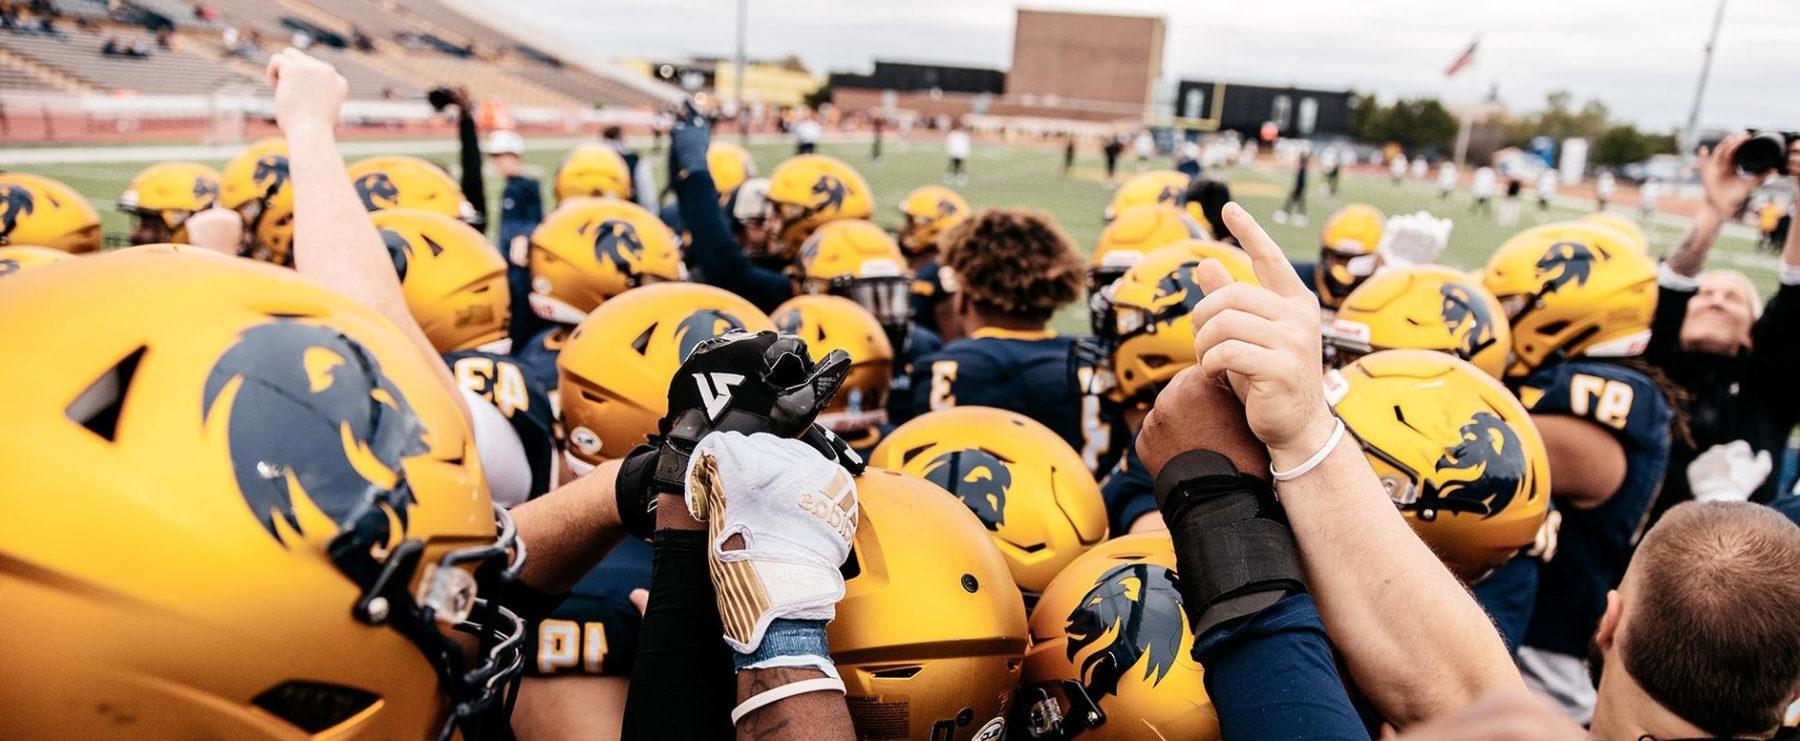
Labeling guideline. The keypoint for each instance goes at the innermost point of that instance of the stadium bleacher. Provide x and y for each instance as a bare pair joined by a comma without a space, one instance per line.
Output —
412,46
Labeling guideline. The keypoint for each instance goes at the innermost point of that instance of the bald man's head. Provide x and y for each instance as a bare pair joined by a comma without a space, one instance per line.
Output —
1712,616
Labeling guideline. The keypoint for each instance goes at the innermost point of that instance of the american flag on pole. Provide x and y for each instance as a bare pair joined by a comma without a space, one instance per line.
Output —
1463,60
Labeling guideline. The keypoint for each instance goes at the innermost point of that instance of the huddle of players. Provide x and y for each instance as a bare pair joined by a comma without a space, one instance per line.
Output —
1443,377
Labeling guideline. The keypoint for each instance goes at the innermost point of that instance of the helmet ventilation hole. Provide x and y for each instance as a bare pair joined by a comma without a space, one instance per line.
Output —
314,706
97,408
642,343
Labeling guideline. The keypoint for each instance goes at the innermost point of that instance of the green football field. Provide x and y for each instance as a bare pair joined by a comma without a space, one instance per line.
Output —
1002,176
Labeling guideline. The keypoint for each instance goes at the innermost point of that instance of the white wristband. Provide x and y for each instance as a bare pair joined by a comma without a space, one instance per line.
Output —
1337,435
816,684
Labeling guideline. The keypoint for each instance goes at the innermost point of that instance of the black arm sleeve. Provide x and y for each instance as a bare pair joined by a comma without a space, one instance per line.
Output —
1775,353
1665,325
683,685
470,156
716,255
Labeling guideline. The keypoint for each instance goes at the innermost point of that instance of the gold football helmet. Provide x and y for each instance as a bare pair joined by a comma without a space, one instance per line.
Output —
858,260
594,249
1154,188
325,553
1347,252
1458,454
1109,637
1135,233
1152,338
19,258
595,171
1572,289
1425,307
812,190
36,210
1624,225
398,181
454,281
926,214
164,195
616,367
255,184
1029,488
730,166
931,630
835,323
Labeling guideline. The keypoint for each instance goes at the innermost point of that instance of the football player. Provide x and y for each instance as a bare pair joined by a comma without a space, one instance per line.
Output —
162,197
585,253
1580,300
1347,255
1426,307
858,413
858,260
812,190
1156,188
1465,465
1012,270
1028,487
925,215
397,181
592,171
43,212
1153,340
256,185
1122,244
1113,610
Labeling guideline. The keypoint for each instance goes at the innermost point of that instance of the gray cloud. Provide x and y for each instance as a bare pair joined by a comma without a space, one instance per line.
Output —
1641,57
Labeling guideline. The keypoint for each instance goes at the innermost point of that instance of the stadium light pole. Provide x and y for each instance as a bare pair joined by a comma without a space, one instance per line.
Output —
737,81
1692,133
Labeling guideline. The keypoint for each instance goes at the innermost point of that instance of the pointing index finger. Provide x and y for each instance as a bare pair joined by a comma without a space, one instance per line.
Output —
1271,266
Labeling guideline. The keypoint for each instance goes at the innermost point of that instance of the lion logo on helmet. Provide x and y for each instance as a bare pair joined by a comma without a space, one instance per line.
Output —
616,242
377,191
16,201
308,413
206,192
1494,456
945,209
1179,290
1468,318
8,266
1133,612
701,326
829,193
271,174
977,477
1565,263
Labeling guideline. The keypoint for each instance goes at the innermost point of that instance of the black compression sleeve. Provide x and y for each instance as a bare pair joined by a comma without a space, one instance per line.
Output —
682,683
469,155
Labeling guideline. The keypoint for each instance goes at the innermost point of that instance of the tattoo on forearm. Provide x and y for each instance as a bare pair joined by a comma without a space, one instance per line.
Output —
1690,255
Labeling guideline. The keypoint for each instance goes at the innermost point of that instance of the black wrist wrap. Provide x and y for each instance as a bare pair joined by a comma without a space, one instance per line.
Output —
1234,549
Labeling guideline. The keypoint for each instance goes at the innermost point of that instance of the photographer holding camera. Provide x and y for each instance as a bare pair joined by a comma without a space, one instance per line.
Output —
1716,340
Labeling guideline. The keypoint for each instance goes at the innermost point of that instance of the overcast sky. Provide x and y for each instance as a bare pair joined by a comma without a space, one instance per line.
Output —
1641,57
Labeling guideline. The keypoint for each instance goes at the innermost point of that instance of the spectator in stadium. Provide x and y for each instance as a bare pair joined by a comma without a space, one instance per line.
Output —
643,186
1483,191
1144,146
1295,205
956,146
806,133
1604,186
1334,167
1509,208
1647,195
1397,168
1732,355
1546,190
876,123
1068,154
1446,182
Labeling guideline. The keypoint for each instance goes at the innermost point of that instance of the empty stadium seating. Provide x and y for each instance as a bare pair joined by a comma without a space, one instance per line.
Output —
418,44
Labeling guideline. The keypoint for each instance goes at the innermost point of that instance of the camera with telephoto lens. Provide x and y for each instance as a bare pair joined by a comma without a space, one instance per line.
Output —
440,97
1765,151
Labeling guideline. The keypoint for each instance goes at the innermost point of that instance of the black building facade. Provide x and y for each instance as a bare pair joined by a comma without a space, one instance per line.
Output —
1296,112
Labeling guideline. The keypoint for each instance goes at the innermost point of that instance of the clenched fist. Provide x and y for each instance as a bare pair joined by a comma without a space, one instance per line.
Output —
308,92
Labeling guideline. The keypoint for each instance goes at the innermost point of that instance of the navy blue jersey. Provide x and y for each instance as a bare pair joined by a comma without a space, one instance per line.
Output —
927,291
521,209
512,389
1037,374
1788,504
1308,272
539,356
1595,544
1128,491
1508,595
594,630
920,342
